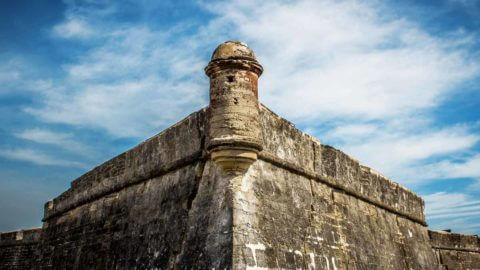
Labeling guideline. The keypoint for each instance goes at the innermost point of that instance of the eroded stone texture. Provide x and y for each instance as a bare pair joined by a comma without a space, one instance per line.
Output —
180,200
154,212
209,236
234,109
285,143
283,220
456,251
20,249
126,229
292,149
180,144
234,133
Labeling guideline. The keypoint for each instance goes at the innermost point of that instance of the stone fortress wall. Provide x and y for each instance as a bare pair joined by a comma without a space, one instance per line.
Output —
456,251
20,249
231,195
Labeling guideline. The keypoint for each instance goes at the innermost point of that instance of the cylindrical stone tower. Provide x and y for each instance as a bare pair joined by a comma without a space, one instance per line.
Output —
234,134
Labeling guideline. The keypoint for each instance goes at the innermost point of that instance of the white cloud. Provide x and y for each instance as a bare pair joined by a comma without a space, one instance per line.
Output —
38,158
399,153
351,130
370,74
463,168
18,74
63,140
331,59
135,82
44,136
12,71
130,108
74,28
453,211
8,75
442,203
458,225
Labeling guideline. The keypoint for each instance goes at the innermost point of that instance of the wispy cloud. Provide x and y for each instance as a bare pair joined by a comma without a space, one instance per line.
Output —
74,28
12,71
136,82
65,141
9,72
351,130
130,108
346,59
461,168
38,158
370,74
476,184
458,208
405,153
458,225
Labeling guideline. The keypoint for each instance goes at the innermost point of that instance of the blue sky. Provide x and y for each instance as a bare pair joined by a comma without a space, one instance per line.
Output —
393,83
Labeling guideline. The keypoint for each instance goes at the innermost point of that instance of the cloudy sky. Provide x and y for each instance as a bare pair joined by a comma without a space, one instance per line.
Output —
396,84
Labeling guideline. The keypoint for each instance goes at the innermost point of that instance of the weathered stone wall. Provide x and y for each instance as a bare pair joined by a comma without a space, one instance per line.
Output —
19,249
149,208
306,205
234,186
289,148
456,251
174,147
302,205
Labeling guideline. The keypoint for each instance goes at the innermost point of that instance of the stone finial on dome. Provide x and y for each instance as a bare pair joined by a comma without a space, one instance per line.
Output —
233,49
233,54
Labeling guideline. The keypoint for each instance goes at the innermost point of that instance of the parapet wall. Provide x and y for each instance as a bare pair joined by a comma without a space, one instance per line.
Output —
174,147
164,204
305,205
20,249
456,251
294,150
153,207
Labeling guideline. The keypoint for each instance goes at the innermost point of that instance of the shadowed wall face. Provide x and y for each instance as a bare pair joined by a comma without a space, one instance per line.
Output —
157,213
20,249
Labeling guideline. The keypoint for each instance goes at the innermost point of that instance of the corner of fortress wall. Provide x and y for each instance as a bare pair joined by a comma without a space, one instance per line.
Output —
456,251
214,191
308,205
20,249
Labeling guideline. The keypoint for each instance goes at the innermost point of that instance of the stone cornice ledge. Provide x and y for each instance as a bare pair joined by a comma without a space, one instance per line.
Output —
265,156
457,249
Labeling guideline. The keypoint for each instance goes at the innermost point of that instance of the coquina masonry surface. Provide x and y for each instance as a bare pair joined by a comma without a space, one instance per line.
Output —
234,186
